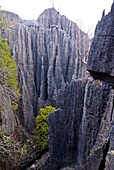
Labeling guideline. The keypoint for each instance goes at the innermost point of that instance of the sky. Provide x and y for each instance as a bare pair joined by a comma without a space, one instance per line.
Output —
85,12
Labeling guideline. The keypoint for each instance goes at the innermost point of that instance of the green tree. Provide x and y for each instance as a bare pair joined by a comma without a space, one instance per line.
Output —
41,130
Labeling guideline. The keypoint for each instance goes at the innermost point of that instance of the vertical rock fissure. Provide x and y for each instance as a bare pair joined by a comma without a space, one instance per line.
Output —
67,67
105,151
54,66
111,116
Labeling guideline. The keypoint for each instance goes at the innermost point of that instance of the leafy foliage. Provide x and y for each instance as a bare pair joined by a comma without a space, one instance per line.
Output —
8,69
5,25
41,130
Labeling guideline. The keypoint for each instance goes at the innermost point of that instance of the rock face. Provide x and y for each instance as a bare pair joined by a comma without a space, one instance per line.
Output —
104,69
81,131
48,52
95,126
65,124
102,50
8,118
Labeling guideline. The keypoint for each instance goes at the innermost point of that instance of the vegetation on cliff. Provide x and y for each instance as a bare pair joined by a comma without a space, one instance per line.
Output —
11,150
41,130
8,69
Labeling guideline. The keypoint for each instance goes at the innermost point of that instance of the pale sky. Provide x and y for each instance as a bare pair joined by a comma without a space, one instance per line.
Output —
85,12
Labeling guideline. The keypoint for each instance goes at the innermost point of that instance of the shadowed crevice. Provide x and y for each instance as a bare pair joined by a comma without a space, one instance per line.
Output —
105,151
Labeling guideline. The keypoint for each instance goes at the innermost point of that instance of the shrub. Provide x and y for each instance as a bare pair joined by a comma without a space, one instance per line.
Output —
41,130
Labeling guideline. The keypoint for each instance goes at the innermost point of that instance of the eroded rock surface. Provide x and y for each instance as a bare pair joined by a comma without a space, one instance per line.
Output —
48,52
64,125
79,131
8,118
102,49
94,134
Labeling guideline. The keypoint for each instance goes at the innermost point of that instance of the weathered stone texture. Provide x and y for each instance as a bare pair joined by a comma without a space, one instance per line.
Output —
8,117
101,55
48,52
79,131
64,125
95,126
94,135
109,164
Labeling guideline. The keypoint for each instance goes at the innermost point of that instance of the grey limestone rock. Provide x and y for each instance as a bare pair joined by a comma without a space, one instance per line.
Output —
95,126
64,125
101,58
90,146
109,164
80,130
101,66
8,118
48,52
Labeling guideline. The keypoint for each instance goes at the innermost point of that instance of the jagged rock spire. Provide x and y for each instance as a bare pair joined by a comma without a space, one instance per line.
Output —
112,8
101,55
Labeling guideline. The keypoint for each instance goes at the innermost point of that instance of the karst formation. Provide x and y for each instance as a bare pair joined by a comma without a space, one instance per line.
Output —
59,65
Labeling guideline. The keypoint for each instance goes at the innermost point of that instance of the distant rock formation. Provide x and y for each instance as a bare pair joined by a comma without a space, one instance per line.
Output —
48,52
